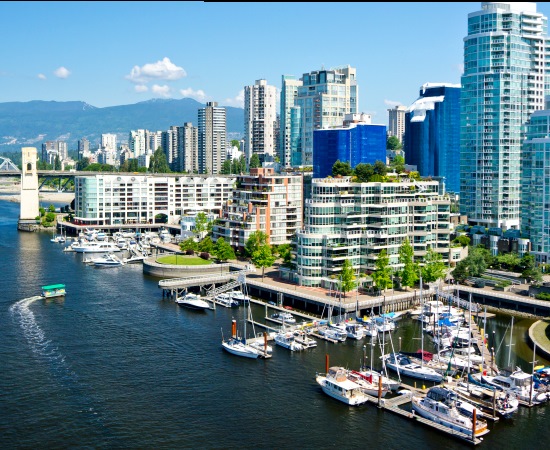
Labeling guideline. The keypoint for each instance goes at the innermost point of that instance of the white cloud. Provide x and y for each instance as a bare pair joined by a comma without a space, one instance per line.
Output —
41,76
198,95
161,91
392,103
161,70
141,88
237,101
61,72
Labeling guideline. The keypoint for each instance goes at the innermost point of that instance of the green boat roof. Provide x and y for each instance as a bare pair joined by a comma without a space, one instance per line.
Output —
53,286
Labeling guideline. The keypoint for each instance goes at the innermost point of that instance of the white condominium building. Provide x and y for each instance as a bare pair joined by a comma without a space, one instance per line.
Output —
356,221
123,199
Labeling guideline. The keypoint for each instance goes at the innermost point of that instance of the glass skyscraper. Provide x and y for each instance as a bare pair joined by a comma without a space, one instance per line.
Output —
357,143
504,81
432,133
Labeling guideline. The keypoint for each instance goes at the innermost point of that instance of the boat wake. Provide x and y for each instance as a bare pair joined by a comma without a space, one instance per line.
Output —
46,351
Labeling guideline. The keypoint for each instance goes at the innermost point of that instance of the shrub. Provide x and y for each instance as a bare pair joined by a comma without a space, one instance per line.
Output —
189,252
205,255
543,296
479,283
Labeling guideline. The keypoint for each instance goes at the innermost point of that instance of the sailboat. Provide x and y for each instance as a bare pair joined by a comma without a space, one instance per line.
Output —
239,346
404,365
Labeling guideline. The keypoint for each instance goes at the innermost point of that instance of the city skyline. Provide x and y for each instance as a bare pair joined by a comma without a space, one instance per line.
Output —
211,51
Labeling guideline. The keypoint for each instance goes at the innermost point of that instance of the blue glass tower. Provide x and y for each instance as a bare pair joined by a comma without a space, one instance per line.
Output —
432,133
357,143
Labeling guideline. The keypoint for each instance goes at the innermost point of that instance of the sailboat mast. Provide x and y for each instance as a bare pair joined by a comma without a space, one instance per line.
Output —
510,345
422,325
469,334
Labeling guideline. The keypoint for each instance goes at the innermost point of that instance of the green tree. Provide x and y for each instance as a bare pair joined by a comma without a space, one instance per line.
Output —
236,143
341,168
223,250
285,252
409,273
206,245
254,242
201,221
226,167
347,277
434,268
380,168
189,244
363,172
57,163
474,265
158,162
255,161
398,164
528,268
263,257
51,208
463,240
392,143
508,261
382,274
82,164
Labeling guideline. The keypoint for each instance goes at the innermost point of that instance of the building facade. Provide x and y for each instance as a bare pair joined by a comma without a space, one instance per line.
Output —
356,221
53,149
324,98
535,186
125,199
262,201
288,145
432,133
396,122
189,158
260,119
359,142
212,137
506,57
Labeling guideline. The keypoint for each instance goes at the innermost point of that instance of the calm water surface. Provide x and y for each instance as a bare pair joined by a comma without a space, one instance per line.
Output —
114,365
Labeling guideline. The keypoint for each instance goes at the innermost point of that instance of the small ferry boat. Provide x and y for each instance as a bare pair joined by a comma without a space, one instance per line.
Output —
53,290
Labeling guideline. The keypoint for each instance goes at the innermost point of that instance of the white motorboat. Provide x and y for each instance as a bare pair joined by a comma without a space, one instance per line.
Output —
225,299
518,383
192,301
108,260
239,296
445,412
384,324
284,317
333,333
134,259
337,385
371,329
403,365
355,330
95,247
302,337
286,339
503,403
238,347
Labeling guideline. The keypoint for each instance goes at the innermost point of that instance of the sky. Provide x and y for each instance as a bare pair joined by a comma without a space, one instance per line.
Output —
108,53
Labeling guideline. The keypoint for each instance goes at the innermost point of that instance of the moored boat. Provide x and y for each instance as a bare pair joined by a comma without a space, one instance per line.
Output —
337,385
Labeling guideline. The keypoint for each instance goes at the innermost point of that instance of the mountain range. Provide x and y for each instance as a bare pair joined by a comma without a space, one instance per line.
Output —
30,124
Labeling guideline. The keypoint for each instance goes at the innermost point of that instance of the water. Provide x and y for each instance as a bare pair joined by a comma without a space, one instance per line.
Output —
114,365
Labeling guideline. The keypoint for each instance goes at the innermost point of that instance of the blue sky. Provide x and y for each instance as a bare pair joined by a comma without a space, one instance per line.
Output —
116,53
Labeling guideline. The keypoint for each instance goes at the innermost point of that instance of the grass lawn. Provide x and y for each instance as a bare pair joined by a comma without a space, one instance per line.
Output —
183,260
540,334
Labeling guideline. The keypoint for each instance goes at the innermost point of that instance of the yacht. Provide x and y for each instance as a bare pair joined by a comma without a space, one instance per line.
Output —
355,331
403,365
192,301
337,385
239,297
286,339
439,408
226,300
95,247
519,383
301,336
284,317
108,260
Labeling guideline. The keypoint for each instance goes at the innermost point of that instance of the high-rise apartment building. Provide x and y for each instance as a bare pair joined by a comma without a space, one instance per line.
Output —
505,79
260,119
53,149
212,137
324,98
108,142
432,133
396,122
137,141
535,189
188,140
289,122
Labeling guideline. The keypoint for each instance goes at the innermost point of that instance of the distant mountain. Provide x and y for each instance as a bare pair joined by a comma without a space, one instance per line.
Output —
33,123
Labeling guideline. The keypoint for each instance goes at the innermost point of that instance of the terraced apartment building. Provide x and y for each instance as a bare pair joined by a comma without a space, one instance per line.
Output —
356,221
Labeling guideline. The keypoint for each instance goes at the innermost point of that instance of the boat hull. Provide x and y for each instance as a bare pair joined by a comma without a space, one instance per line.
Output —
240,350
351,401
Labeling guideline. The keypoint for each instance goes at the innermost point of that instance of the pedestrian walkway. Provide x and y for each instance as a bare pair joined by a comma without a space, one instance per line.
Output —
538,335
